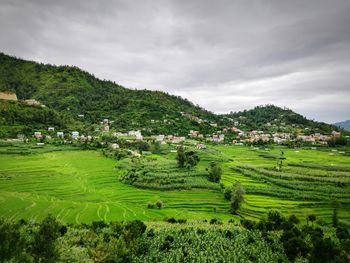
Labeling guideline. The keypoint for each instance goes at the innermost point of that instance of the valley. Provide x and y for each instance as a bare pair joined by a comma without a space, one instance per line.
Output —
83,186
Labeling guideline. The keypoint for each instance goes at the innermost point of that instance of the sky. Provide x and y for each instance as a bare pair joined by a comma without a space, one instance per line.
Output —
224,55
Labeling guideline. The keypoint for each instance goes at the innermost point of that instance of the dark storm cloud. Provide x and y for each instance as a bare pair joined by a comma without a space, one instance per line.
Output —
223,55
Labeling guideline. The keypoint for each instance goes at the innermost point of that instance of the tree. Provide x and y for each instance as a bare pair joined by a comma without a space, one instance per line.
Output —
335,205
181,157
237,198
11,242
293,219
215,172
311,218
275,219
44,246
191,160
159,204
187,159
228,193
156,147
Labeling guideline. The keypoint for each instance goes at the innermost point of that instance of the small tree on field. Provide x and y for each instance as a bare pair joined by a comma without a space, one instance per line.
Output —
186,159
237,198
311,218
159,204
335,205
181,157
228,193
191,159
156,147
215,172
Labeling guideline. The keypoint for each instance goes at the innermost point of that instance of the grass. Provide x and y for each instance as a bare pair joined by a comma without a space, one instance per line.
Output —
83,186
309,180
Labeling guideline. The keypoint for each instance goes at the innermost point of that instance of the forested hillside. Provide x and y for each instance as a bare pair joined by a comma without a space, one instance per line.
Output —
75,92
19,118
273,118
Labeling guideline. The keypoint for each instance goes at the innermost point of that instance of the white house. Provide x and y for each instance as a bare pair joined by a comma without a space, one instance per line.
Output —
115,146
75,134
51,129
60,134
38,135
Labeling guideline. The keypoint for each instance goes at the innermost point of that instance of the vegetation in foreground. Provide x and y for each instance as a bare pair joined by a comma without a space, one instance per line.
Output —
80,186
273,239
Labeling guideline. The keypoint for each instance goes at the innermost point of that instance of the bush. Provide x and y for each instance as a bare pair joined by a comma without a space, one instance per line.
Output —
150,205
293,219
215,172
182,221
172,220
159,204
228,193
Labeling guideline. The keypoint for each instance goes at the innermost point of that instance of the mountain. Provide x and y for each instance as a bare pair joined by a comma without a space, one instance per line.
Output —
20,118
79,100
275,119
74,92
343,124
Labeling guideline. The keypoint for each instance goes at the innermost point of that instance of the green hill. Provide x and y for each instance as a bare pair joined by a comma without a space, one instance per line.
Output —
19,118
276,119
74,92
69,92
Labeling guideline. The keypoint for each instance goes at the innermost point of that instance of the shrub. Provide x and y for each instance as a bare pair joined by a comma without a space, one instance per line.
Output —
293,219
237,198
172,220
159,204
215,172
228,193
182,221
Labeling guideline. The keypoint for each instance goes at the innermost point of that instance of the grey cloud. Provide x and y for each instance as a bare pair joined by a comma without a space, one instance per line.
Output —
224,55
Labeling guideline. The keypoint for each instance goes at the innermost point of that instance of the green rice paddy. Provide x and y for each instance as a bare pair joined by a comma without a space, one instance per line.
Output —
83,186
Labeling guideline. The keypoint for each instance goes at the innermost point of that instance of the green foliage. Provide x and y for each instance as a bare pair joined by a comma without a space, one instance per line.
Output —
311,218
17,118
159,204
44,245
12,243
72,91
156,147
280,120
186,159
165,175
215,172
228,193
237,198
181,157
334,142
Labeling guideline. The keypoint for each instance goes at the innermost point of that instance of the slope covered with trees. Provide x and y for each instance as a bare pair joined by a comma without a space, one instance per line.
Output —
75,92
273,118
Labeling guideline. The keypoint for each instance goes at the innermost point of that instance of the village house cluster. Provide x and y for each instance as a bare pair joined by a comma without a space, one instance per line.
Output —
255,136
240,137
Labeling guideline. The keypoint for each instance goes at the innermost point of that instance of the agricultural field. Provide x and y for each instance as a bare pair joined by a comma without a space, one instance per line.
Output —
307,182
83,186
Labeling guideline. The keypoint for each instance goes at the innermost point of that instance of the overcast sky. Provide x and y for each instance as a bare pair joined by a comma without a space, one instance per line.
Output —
223,55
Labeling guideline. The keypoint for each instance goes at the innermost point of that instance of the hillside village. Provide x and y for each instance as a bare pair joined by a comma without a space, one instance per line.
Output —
223,135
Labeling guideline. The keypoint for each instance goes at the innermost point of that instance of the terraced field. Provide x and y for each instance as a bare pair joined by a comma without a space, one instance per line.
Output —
82,186
308,182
